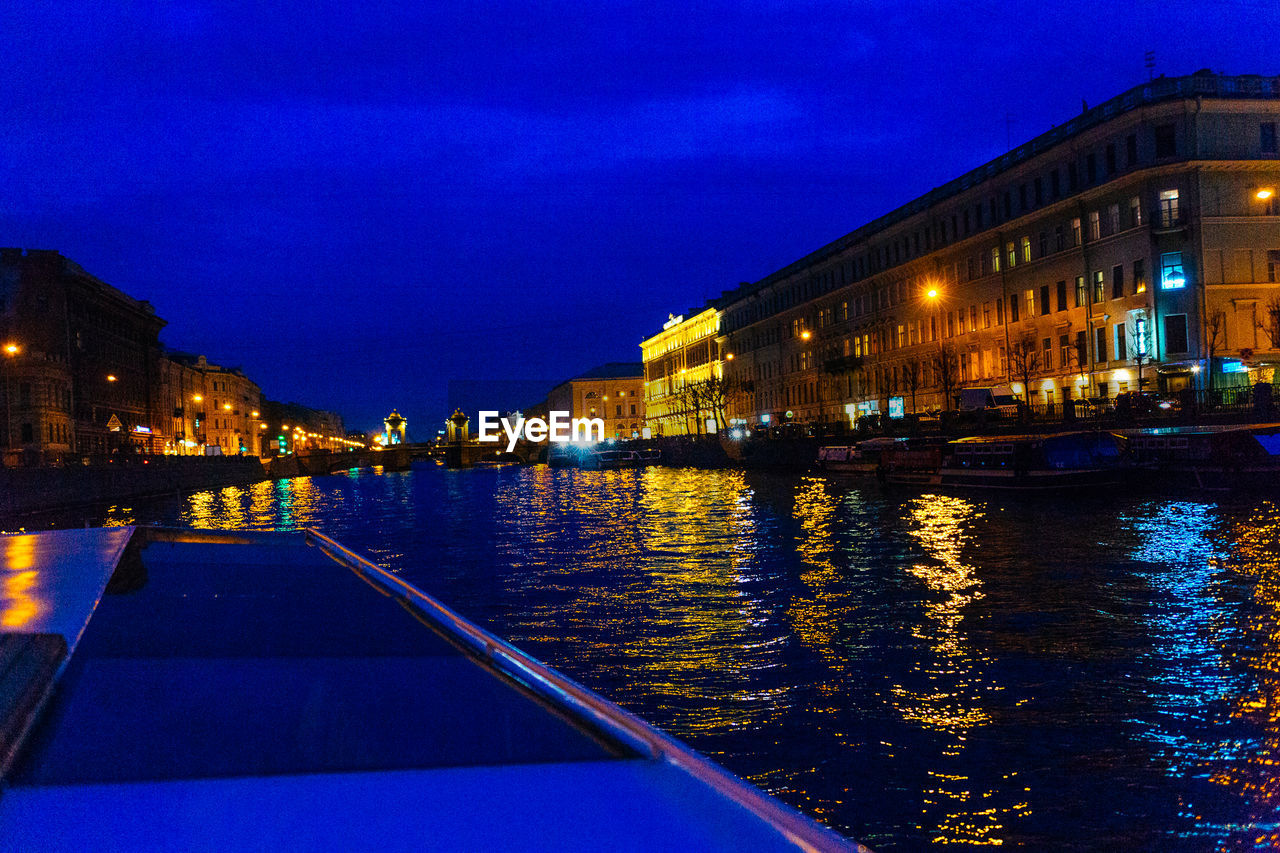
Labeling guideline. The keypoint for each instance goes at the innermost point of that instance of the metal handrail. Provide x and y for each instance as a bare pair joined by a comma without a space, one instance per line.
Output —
805,833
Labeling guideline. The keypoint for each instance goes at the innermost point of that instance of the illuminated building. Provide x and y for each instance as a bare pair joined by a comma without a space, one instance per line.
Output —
212,406
613,392
682,363
1141,235
80,364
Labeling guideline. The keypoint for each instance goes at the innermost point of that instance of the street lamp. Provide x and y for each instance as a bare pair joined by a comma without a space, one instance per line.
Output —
11,350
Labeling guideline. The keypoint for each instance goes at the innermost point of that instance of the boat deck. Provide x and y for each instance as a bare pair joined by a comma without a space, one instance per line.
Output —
262,695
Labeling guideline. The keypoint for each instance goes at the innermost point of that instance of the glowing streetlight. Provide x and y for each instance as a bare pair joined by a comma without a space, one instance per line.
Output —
197,398
226,406
111,377
12,349
805,335
1264,194
728,356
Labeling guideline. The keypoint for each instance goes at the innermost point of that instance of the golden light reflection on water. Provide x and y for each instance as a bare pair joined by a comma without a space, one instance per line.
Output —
1255,553
648,568
948,686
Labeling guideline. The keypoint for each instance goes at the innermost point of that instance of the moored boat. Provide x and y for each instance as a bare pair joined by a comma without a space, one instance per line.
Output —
185,689
1209,457
1065,460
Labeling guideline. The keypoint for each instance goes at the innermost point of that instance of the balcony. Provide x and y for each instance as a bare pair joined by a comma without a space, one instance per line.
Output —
842,364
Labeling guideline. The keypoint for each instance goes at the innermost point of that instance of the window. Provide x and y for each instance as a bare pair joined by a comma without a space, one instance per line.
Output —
1039,188
986,315
995,259
1064,351
999,312
1135,212
1022,197
951,324
973,318
1026,249
1012,253
1113,219
1013,308
1175,333
1099,287
1055,185
1091,167
1111,158
1044,244
1121,350
1267,131
1100,343
966,223
1062,296
1273,265
1044,299
1139,276
1166,141
1082,349
1095,225
1082,295
1047,346
1060,237
1030,296
1169,214
1117,281
1171,273
1075,232
1073,177
1131,150
618,408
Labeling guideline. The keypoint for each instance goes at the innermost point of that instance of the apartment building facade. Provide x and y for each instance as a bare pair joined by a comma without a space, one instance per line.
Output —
1136,245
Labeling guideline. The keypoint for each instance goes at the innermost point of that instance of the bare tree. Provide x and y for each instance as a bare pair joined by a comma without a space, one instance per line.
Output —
1269,322
1215,331
912,375
946,369
1025,362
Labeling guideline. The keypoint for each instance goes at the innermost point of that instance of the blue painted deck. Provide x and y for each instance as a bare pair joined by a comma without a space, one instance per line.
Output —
264,696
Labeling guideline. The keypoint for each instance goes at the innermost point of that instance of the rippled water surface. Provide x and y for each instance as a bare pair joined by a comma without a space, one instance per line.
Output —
909,668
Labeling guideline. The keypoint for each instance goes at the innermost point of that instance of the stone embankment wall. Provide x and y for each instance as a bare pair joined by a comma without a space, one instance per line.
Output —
28,490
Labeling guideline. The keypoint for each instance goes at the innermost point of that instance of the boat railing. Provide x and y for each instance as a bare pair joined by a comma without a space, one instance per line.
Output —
592,709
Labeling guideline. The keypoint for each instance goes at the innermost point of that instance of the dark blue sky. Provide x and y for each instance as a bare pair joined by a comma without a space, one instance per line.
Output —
361,202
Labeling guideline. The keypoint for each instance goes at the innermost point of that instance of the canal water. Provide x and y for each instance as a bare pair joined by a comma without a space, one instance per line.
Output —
1096,672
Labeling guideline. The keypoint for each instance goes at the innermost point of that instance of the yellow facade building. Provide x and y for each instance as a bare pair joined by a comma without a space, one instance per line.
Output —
684,375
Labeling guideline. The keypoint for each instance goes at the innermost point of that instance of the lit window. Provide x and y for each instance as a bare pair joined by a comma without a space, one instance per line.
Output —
1026,249
1075,231
1095,225
995,259
1169,214
1172,276
1135,212
1113,218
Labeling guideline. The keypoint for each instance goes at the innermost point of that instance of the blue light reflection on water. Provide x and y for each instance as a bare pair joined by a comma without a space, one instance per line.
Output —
911,669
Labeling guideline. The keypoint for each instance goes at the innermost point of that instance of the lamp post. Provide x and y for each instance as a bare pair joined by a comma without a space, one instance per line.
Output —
933,296
11,351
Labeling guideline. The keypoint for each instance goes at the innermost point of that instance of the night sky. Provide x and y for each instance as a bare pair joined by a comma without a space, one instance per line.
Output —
361,202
